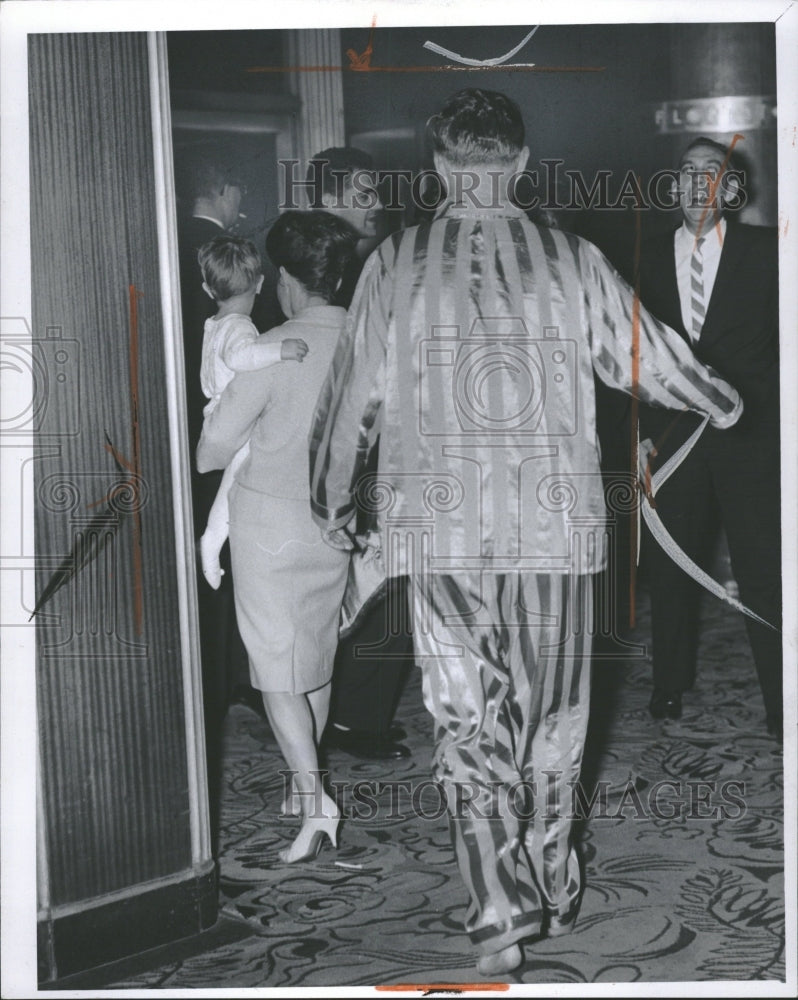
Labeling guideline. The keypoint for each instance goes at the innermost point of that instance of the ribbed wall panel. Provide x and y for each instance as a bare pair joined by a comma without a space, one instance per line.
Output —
112,731
321,123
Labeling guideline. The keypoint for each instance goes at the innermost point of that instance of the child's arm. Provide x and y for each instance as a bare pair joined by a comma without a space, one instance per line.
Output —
293,349
248,354
230,424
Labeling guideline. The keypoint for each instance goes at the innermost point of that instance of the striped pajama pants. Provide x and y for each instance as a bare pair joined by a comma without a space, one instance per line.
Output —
506,677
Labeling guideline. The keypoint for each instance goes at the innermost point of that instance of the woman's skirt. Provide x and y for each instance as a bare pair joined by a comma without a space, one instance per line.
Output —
288,587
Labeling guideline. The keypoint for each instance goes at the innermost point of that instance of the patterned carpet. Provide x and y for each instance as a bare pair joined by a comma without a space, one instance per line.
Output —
683,850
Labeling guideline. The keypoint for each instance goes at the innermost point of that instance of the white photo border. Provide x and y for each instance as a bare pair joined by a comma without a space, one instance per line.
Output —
18,18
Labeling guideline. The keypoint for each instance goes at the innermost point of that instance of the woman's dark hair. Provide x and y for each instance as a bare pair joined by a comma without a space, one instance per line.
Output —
477,127
316,248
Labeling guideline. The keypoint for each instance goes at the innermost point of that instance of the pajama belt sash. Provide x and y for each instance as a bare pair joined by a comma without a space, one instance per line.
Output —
650,484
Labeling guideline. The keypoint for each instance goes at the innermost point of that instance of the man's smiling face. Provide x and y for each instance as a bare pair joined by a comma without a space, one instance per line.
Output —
701,187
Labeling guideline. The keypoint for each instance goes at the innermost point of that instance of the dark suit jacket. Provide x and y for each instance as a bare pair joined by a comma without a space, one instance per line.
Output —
740,335
196,307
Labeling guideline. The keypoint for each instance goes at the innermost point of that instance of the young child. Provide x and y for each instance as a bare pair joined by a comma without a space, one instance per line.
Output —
232,276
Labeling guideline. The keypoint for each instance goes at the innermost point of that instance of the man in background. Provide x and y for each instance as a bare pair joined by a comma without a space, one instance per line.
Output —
214,194
213,191
715,281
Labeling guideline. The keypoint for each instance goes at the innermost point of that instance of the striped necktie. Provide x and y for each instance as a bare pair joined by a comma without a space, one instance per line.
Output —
697,306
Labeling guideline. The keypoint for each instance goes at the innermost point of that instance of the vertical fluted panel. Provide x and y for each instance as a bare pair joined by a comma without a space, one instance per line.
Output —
319,84
113,746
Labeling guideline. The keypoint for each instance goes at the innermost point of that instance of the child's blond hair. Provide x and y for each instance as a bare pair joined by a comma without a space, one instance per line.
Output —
230,266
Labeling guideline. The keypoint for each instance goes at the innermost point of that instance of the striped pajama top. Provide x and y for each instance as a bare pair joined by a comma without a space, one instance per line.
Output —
470,348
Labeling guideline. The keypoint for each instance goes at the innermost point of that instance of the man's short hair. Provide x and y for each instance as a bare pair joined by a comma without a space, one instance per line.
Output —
207,176
330,169
230,266
702,140
478,127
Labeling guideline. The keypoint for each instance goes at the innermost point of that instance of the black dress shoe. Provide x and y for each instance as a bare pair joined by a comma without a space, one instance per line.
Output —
665,704
367,746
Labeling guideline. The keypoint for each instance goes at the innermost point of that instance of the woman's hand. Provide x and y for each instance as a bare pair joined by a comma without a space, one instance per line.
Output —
293,349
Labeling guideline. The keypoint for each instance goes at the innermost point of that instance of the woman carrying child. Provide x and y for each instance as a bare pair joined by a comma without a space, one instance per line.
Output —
288,582
232,276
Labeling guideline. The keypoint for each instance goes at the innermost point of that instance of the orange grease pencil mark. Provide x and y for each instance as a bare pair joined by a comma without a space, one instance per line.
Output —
122,462
445,987
360,61
138,588
713,187
119,458
117,488
633,529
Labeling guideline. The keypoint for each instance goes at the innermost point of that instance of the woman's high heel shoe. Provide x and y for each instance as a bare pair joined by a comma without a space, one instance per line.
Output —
324,826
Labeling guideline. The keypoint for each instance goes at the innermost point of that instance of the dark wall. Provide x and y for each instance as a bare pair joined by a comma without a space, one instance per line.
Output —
590,119
220,60
590,102
255,159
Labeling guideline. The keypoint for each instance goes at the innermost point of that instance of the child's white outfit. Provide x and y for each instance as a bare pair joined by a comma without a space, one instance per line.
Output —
230,344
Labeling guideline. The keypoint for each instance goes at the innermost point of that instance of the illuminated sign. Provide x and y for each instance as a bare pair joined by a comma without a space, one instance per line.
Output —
716,114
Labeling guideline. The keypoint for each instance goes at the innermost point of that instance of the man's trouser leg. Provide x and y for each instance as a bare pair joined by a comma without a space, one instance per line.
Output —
746,482
506,677
371,666
686,506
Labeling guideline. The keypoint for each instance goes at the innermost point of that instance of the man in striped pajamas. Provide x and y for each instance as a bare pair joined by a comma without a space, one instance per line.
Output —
472,341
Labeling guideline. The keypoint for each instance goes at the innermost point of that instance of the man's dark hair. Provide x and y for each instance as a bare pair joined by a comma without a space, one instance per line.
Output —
478,127
316,248
207,176
702,140
330,169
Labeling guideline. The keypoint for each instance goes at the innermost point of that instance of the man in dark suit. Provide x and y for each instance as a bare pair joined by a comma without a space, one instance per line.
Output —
715,281
214,194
